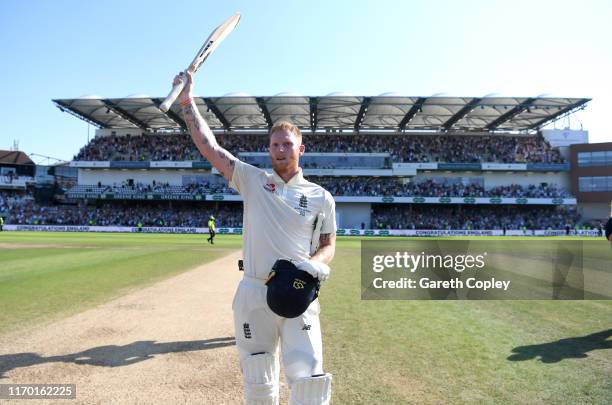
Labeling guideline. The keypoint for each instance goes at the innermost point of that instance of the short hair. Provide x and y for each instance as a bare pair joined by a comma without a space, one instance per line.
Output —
286,126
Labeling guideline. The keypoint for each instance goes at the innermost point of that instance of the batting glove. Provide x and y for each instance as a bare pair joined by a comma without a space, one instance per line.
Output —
316,269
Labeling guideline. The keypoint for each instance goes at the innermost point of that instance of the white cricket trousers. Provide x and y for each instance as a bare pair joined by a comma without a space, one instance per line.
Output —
258,330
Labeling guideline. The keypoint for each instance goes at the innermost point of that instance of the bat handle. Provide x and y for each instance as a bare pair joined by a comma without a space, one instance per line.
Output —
174,93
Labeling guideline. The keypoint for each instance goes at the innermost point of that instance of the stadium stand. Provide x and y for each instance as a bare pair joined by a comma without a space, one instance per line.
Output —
27,212
402,148
377,186
24,210
348,186
391,162
88,188
80,191
385,216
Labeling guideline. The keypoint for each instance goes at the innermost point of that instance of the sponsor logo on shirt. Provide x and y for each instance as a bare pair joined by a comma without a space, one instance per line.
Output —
271,187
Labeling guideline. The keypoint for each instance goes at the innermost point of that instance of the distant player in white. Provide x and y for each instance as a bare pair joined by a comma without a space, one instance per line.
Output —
280,209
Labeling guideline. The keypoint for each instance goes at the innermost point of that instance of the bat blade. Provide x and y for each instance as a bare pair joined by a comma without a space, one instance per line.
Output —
211,43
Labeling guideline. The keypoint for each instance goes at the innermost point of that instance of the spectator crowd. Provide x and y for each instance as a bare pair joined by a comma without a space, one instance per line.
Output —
20,208
392,186
384,216
402,148
27,212
352,186
156,187
471,217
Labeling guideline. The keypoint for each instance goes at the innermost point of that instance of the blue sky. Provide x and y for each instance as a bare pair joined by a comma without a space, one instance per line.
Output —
68,48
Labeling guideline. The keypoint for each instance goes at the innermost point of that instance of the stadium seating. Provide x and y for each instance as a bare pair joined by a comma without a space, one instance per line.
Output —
351,186
125,214
401,148
204,188
385,216
392,186
88,188
123,210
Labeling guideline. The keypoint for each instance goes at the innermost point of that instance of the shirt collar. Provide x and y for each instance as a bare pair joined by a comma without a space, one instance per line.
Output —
296,179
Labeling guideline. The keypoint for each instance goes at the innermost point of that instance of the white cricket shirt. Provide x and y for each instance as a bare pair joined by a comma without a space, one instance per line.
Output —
279,217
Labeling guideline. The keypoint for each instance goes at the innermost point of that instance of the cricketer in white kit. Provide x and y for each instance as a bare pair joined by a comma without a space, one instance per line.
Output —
281,209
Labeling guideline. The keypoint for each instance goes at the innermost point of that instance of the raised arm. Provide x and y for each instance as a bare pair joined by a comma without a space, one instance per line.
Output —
201,134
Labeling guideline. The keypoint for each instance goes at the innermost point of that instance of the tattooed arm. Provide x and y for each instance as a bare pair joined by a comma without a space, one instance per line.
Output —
317,265
201,134
327,248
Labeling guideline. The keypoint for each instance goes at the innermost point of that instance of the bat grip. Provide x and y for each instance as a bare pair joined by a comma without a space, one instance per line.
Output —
174,93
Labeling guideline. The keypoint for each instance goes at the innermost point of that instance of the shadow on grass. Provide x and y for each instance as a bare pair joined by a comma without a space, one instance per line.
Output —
112,355
570,348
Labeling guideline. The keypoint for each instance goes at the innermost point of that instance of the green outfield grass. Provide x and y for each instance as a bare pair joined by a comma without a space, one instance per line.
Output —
396,352
381,352
47,275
